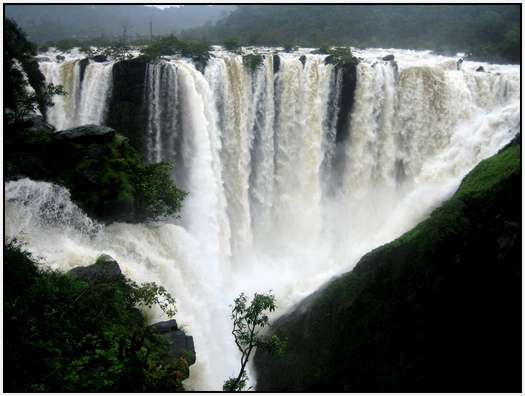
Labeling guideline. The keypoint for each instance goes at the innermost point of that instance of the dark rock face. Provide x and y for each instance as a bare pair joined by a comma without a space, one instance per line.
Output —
126,112
82,64
437,310
302,59
87,134
105,269
42,59
60,58
349,83
388,57
166,327
180,344
33,124
276,63
480,69
99,58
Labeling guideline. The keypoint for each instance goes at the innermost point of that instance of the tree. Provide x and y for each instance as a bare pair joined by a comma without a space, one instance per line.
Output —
231,44
248,320
21,72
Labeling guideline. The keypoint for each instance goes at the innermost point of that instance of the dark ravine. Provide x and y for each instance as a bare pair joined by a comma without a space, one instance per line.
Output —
437,309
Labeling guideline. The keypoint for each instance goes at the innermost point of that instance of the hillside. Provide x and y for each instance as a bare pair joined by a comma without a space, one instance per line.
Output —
48,22
436,309
490,31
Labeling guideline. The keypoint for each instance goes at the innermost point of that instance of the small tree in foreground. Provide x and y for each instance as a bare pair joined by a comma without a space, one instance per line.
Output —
248,320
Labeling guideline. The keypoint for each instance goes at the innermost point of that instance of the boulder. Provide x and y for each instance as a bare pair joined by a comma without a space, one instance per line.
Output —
458,63
303,59
60,58
99,58
31,123
180,344
388,57
166,327
105,269
88,134
42,59
480,69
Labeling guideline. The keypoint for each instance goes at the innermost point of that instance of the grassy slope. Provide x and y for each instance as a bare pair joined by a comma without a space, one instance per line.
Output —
435,310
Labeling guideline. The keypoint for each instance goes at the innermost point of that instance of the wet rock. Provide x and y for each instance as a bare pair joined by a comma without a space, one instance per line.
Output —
42,59
82,65
99,58
302,59
180,344
388,57
459,63
60,58
480,69
276,63
32,123
88,134
106,269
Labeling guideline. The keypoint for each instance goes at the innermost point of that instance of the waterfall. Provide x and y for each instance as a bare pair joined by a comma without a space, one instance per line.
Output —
87,88
255,149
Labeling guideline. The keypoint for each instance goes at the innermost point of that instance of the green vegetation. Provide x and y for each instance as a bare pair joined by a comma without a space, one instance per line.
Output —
489,30
438,309
64,334
232,44
106,178
198,51
248,321
252,61
19,55
339,56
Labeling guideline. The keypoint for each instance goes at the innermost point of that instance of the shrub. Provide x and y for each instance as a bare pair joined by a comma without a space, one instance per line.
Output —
62,334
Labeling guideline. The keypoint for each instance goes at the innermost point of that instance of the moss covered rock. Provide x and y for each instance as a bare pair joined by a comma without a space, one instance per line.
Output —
77,332
437,310
105,175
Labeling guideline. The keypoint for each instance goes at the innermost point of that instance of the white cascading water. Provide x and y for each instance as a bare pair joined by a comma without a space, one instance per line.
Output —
267,208
86,96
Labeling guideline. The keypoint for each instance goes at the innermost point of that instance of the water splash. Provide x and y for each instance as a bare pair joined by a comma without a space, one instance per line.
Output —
255,149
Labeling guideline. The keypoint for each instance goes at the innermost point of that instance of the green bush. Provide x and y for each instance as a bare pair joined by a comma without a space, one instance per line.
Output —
198,51
232,44
252,61
108,180
62,334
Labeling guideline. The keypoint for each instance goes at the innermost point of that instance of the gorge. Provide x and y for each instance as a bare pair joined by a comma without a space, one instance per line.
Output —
294,170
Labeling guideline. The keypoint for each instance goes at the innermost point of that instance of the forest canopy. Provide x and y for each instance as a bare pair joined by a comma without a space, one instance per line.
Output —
490,31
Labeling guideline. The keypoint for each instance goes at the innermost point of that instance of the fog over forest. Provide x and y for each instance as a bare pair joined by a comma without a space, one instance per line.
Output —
490,31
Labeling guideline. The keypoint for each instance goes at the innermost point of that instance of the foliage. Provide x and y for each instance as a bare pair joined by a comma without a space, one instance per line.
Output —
252,61
439,309
340,56
198,51
126,188
156,194
248,320
62,334
25,89
150,294
29,102
489,30
231,44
